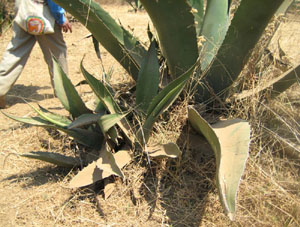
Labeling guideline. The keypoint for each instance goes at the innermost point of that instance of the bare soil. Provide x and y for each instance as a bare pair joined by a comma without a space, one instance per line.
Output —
36,194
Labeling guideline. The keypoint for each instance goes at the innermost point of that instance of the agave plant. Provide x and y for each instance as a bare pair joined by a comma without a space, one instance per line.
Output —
195,37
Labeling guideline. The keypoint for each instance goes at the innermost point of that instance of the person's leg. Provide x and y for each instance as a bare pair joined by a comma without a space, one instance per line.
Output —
15,58
54,44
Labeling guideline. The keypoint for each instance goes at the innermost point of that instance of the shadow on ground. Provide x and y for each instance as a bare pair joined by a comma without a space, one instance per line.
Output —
38,177
181,187
20,93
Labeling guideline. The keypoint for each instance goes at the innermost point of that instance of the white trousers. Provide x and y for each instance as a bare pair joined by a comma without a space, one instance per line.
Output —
19,49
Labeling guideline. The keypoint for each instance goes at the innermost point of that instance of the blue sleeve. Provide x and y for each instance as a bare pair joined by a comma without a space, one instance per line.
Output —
57,12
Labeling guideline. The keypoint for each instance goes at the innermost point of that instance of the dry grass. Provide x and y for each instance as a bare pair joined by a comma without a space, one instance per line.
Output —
178,192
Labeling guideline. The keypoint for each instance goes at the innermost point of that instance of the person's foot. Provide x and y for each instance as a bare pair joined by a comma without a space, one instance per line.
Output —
2,102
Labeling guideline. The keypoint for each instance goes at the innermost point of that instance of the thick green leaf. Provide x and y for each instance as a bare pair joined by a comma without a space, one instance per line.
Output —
85,119
92,173
36,121
55,117
113,134
230,141
86,137
59,120
174,23
67,93
83,136
162,101
148,81
54,158
247,26
109,120
107,99
170,150
101,91
277,85
198,12
214,28
115,39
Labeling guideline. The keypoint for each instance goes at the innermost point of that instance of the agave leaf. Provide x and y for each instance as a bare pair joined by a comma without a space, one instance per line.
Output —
230,142
109,120
107,99
85,119
92,173
148,80
115,39
284,6
55,119
162,101
107,163
101,91
175,27
85,137
67,93
170,150
198,12
36,121
277,85
54,158
113,134
246,28
88,175
214,28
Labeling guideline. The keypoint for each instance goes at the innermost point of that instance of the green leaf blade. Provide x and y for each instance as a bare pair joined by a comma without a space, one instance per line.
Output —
53,158
214,28
148,80
177,34
109,120
246,28
67,93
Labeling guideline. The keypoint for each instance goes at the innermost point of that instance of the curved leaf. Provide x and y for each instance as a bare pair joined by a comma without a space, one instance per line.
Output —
56,119
247,26
54,158
101,91
175,27
107,99
107,163
109,120
92,173
36,121
115,39
148,81
84,119
230,141
277,85
83,136
162,101
214,28
198,12
67,93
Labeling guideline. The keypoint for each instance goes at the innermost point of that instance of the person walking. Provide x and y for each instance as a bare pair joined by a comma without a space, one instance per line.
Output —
22,43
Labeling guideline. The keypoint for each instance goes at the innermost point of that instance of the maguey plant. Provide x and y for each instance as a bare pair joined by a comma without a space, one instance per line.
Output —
197,43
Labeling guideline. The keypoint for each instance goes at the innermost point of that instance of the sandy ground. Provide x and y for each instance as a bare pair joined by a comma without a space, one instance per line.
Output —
36,194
